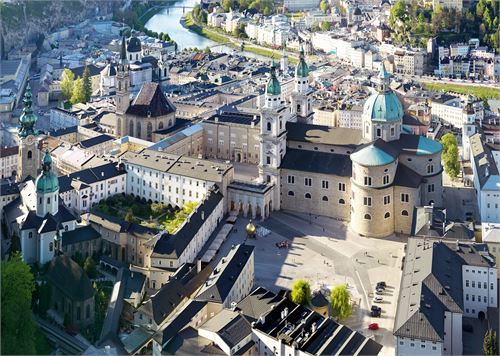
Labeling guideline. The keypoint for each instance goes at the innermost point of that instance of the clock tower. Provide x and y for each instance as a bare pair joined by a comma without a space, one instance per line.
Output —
29,154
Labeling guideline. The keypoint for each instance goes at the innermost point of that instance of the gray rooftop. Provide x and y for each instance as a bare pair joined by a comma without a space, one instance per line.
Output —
431,285
319,134
180,165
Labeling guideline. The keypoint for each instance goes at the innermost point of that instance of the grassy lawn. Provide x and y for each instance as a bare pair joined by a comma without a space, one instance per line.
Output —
479,92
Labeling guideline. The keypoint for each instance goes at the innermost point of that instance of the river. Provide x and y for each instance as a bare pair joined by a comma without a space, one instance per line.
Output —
168,21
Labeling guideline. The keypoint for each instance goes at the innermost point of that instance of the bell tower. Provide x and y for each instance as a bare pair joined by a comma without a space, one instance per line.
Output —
301,106
122,97
272,135
29,154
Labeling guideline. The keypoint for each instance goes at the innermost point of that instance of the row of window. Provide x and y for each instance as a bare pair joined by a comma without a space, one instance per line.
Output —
473,284
291,193
473,298
308,182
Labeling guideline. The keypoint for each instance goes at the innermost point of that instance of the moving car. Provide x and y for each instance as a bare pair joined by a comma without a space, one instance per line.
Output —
373,326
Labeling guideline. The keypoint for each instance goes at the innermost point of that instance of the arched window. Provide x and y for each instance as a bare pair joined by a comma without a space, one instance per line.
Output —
51,247
368,217
268,126
30,155
341,201
291,193
138,127
281,124
165,71
160,125
149,131
30,234
387,215
130,56
169,122
307,196
404,213
131,128
65,227
325,198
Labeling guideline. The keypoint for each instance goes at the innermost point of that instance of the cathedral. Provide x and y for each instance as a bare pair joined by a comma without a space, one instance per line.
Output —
373,178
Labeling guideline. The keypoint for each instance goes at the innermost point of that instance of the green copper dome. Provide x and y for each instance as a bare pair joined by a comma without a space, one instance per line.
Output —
384,105
302,70
28,117
273,85
47,181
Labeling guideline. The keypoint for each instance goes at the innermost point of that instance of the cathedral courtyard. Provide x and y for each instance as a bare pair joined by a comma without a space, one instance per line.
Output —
325,253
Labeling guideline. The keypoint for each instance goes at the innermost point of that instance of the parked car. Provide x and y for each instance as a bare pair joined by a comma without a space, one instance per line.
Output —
382,284
378,299
376,311
373,326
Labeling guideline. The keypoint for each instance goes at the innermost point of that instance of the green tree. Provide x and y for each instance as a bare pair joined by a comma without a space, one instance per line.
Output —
87,84
90,267
129,217
18,328
325,26
340,300
301,292
78,92
67,83
226,5
323,6
398,12
490,346
450,155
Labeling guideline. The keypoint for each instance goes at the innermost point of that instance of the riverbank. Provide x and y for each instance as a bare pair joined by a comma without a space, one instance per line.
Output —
188,22
479,92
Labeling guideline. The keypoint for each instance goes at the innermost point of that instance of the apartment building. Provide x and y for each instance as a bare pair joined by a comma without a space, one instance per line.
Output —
8,161
434,297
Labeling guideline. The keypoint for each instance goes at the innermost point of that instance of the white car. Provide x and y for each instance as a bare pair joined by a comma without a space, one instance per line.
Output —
378,299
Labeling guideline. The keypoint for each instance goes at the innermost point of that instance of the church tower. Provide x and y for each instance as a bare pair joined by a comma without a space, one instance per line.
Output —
301,107
29,154
122,97
163,72
469,127
272,135
47,189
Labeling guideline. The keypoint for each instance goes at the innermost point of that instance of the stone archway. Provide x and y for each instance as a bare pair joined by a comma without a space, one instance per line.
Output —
258,212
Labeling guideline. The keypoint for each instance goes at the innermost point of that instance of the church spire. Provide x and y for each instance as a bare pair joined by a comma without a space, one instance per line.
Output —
28,117
383,79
